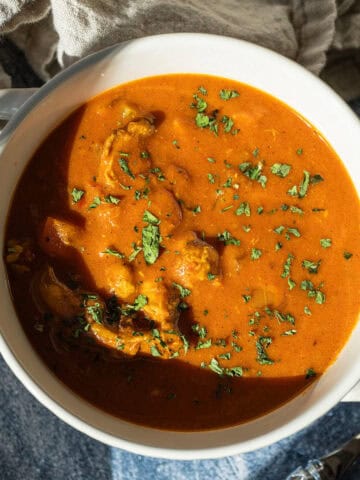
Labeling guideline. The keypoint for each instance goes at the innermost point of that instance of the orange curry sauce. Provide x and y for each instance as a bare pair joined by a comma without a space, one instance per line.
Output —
183,252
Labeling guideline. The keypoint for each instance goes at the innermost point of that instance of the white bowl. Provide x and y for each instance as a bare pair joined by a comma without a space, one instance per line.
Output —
173,53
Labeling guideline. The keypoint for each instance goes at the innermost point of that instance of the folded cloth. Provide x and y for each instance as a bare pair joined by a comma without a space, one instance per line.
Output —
55,33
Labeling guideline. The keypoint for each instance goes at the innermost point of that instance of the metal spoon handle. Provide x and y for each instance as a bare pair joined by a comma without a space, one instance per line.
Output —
332,466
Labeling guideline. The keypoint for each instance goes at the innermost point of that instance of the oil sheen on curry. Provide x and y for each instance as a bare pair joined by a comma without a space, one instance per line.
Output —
183,252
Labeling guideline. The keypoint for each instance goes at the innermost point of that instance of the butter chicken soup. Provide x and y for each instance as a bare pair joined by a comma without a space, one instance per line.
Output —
182,252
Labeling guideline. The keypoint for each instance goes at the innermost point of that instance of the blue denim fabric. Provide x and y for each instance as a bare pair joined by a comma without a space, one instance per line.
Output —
36,445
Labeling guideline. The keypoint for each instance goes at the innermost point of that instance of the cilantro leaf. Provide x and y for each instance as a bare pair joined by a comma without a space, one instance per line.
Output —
77,194
280,169
151,243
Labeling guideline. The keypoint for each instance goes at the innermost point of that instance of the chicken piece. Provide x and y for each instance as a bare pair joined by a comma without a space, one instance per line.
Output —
179,180
65,304
166,208
59,238
161,304
121,156
52,295
232,259
196,260
120,280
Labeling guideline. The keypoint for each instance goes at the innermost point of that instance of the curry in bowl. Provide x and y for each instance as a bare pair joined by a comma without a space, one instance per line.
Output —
182,252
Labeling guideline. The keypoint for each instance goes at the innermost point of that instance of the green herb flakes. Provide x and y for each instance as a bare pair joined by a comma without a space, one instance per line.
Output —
280,169
112,199
148,217
77,195
310,373
113,252
151,243
95,203
255,253
125,166
184,292
243,209
253,172
227,238
262,345
226,94
347,255
310,266
325,242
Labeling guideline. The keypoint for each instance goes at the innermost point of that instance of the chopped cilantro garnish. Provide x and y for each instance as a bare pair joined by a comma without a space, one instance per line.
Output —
294,209
293,191
200,104
176,143
225,356
125,167
291,283
311,267
304,185
96,312
154,351
184,292
140,302
280,169
112,199
228,123
287,265
158,172
261,346
148,217
292,231
310,372
77,194
211,178
347,255
199,330
113,252
211,276
325,242
211,160
196,209
229,207
307,310
255,253
279,229
205,344
314,179
125,187
260,210
151,243
144,154
243,209
253,172
278,246
288,333
95,203
226,94
299,151
246,298
227,238
202,90
135,252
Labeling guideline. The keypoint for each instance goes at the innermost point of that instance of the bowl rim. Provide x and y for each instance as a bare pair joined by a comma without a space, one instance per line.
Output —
295,424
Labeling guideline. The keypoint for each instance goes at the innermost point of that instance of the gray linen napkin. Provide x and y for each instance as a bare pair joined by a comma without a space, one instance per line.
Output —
55,33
